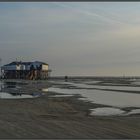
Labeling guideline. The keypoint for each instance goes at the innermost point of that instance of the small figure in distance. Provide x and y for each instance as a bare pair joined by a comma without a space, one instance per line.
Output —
66,78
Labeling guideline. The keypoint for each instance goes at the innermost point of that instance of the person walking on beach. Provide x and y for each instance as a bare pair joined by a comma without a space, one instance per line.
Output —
66,78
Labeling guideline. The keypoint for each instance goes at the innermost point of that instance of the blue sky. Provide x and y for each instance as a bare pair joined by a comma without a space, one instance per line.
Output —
75,38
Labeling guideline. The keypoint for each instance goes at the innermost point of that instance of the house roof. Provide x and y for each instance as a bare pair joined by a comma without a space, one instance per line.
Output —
41,62
17,63
24,63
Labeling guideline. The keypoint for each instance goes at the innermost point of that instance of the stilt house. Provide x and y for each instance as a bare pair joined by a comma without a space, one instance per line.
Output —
25,70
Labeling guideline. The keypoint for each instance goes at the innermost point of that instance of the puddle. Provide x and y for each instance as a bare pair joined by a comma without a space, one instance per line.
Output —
61,95
15,83
111,98
106,111
91,82
136,83
8,85
1,86
110,86
14,93
114,84
45,89
4,95
134,111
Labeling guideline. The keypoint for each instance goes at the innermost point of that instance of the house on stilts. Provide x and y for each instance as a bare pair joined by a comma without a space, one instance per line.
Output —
25,70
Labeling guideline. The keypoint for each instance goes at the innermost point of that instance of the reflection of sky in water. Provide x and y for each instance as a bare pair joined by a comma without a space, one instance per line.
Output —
111,86
134,111
119,99
46,89
61,95
112,98
16,94
6,85
4,95
110,111
106,111
1,85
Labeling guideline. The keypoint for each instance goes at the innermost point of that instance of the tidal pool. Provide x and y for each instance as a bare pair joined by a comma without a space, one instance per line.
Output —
12,90
111,98
134,111
61,95
106,111
4,95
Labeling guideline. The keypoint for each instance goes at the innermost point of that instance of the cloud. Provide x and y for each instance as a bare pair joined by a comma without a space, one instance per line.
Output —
91,14
72,37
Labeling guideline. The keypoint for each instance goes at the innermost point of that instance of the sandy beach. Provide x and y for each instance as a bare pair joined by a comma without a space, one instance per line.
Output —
48,116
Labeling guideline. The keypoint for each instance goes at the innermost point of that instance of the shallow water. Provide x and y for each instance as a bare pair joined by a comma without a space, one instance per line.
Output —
110,111
106,111
112,98
4,95
16,94
61,95
117,100
45,89
118,87
136,83
134,111
109,86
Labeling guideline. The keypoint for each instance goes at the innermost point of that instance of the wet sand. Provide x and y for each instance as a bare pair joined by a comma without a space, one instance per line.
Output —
63,117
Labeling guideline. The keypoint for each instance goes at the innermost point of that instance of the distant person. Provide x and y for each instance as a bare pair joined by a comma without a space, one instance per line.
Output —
66,78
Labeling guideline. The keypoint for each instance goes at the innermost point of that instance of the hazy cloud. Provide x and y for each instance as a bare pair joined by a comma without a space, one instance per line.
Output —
75,38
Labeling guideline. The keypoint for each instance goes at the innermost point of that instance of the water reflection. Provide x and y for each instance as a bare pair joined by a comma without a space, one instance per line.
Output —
4,95
8,85
107,111
11,90
1,86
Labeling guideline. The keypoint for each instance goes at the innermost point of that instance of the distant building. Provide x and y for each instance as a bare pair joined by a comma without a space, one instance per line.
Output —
25,70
